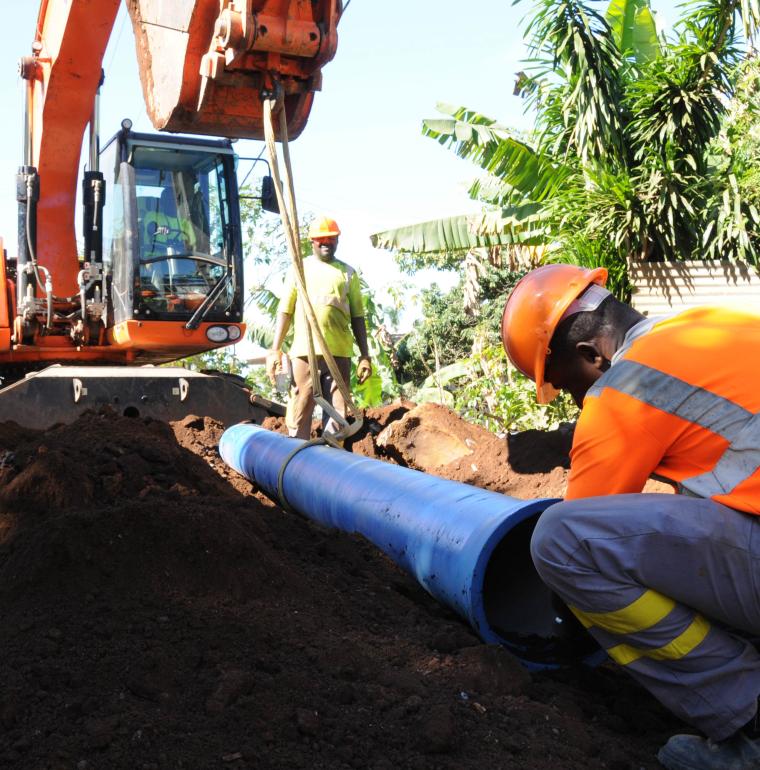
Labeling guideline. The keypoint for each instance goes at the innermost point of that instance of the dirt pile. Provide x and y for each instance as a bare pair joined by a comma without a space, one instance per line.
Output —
158,612
433,439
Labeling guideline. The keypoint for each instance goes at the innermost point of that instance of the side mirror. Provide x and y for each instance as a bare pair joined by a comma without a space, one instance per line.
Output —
269,195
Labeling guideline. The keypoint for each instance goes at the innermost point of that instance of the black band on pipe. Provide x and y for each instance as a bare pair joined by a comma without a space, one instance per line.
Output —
281,475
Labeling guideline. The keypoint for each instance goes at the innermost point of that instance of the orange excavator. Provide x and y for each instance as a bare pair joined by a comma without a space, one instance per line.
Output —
160,274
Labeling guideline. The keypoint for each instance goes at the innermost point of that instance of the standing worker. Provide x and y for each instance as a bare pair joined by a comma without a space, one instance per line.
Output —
335,295
669,585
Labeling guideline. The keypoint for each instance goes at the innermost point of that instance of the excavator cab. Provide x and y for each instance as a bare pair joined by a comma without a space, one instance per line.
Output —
171,230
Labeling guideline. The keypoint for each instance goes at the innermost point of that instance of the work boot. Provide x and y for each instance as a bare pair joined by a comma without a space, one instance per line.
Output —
690,752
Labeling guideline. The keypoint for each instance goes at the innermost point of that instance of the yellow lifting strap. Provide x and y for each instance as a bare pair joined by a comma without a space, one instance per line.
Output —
289,216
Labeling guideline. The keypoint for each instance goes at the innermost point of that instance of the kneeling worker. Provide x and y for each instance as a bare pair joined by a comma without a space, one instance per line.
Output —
669,585
335,295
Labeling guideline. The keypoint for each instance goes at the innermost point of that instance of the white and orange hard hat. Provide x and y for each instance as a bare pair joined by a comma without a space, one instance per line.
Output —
323,227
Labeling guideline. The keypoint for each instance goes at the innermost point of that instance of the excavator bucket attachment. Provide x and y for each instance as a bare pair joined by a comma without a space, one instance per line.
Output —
217,56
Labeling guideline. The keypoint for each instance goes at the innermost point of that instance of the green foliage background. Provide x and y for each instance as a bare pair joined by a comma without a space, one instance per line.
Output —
456,358
446,333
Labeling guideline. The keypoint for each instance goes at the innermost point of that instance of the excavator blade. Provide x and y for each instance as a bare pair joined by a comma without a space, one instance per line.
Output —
59,394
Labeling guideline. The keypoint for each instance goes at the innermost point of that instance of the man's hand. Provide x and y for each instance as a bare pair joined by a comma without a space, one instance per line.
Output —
274,364
363,370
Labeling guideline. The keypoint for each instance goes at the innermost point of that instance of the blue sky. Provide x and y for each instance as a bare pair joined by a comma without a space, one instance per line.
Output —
361,157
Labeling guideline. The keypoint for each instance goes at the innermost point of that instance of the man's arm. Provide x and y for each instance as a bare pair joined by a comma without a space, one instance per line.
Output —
364,367
285,311
359,329
280,330
274,357
614,451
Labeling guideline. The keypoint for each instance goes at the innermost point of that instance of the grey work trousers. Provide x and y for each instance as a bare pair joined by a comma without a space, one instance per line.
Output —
301,402
670,586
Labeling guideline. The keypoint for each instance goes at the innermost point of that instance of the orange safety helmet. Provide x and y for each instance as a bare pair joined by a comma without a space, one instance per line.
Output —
533,311
324,227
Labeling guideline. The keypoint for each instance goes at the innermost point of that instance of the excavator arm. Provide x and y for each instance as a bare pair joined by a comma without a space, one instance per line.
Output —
62,78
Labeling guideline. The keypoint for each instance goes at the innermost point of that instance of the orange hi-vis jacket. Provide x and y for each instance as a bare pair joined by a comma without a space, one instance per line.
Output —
681,401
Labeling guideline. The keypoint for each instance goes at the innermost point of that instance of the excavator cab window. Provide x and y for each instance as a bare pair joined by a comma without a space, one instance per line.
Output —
182,211
175,220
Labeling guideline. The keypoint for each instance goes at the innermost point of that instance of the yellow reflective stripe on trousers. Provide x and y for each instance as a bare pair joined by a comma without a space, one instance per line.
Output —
648,610
680,647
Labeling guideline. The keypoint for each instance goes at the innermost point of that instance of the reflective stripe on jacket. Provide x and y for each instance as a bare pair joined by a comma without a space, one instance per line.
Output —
680,401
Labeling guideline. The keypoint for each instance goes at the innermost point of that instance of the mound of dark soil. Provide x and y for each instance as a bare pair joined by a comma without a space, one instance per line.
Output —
158,612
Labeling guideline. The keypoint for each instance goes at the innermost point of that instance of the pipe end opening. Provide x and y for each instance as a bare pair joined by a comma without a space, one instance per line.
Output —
532,622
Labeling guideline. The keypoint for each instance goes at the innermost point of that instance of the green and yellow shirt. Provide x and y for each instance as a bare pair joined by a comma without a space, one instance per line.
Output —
335,295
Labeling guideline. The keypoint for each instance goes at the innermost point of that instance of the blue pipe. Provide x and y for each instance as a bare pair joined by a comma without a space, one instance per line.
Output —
468,547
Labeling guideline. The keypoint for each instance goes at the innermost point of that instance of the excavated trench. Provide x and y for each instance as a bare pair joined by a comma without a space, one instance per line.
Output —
159,612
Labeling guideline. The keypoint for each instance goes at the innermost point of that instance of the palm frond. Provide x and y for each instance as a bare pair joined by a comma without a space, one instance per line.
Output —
633,29
578,69
519,225
491,147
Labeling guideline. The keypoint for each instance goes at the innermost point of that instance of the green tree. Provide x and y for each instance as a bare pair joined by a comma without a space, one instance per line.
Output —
738,147
454,355
622,161
450,326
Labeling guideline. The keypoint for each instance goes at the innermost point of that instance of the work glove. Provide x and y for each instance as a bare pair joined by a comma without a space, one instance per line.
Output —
274,364
363,370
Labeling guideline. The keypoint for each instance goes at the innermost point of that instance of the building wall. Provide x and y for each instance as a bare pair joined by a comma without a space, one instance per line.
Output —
663,287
